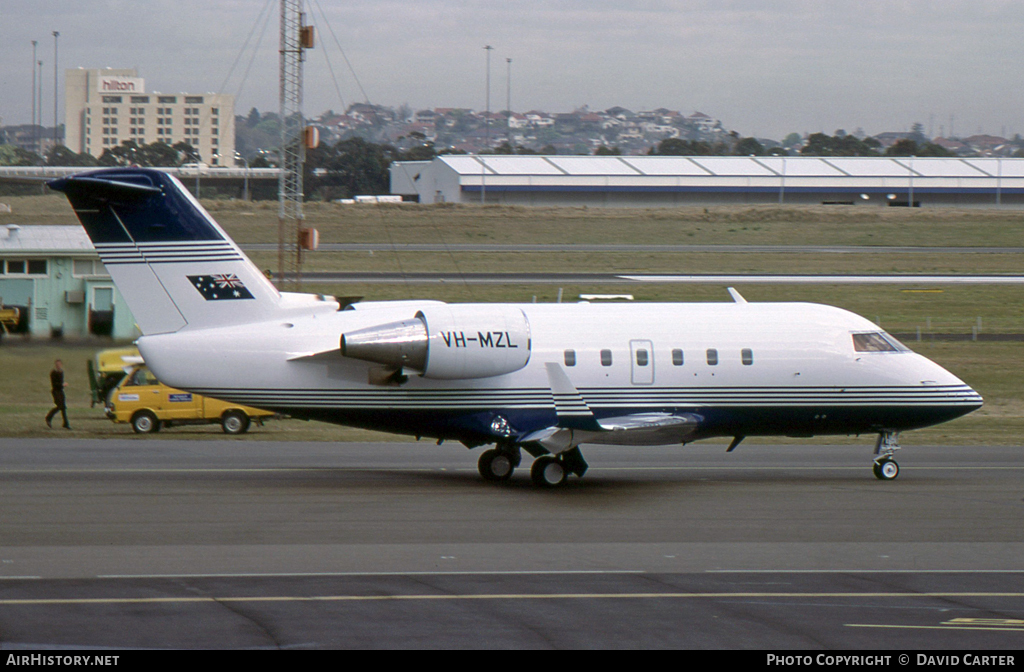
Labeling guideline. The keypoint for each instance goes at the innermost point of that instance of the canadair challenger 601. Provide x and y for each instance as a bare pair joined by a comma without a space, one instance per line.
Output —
536,378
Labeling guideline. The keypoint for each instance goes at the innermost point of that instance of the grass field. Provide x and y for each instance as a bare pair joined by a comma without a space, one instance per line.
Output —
991,367
749,225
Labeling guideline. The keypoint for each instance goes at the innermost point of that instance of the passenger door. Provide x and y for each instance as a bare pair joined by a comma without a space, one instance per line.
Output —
642,362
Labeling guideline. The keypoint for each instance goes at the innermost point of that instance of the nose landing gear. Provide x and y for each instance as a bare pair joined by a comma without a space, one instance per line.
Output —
885,467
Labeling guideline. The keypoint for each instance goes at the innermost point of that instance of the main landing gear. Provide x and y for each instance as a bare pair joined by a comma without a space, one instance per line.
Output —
548,471
885,467
497,464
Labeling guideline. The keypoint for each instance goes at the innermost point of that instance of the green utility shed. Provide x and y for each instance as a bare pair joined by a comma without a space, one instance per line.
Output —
54,278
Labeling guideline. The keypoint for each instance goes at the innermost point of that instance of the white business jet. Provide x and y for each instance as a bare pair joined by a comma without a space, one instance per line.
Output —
539,378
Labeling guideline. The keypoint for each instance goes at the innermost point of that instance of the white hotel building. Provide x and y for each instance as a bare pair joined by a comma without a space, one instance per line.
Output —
104,108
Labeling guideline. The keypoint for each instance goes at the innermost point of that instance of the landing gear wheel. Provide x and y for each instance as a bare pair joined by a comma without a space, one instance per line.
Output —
145,422
495,465
886,470
235,422
548,472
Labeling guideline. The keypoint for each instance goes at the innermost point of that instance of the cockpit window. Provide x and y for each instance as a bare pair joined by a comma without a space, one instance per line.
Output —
878,341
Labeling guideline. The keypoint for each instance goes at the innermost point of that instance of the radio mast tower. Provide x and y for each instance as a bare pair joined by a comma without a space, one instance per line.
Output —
295,39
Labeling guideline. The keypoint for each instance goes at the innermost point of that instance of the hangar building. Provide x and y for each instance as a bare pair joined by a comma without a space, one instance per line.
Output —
53,278
652,181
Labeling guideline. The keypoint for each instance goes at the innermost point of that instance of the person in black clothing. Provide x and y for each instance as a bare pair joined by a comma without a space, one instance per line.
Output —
57,386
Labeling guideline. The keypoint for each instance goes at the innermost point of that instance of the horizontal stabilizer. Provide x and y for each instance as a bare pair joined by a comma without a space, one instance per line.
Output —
117,190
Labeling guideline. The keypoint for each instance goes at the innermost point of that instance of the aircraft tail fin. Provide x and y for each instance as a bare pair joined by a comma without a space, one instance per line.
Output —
172,263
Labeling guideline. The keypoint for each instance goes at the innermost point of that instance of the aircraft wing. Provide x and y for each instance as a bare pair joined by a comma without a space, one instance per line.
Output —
649,422
577,423
640,429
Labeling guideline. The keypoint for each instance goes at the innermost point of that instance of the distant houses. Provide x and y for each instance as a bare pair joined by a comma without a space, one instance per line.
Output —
471,131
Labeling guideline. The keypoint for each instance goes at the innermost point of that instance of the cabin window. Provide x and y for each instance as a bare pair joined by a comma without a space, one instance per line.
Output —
712,357
877,342
677,357
570,358
747,356
642,358
606,358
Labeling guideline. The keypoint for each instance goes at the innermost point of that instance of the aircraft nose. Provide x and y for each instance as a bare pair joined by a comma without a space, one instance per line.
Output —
961,399
950,396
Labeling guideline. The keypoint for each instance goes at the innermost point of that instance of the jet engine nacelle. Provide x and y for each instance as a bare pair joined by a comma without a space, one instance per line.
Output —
448,342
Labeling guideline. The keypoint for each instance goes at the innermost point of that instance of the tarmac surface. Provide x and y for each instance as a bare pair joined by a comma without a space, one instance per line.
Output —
242,544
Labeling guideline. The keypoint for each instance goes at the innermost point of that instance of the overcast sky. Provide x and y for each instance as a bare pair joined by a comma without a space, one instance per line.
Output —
764,68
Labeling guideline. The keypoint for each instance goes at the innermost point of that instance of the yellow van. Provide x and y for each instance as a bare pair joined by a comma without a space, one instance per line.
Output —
107,368
148,404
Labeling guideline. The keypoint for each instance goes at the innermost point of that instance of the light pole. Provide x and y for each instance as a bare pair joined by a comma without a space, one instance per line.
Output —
999,182
487,128
39,147
487,119
782,181
34,43
911,194
56,133
245,183
508,105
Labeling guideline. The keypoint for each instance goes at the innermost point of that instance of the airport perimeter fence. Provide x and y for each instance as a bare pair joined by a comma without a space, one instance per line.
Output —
939,329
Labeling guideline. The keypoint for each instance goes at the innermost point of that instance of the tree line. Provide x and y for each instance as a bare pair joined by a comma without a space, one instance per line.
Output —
357,166
128,153
818,144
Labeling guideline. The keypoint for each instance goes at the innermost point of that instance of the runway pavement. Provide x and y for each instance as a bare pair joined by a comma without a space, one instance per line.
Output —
630,278
171,543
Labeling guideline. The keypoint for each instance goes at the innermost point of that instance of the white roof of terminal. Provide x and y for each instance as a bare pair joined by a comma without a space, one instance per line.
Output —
997,167
729,166
593,165
802,167
520,165
664,165
870,167
943,168
733,166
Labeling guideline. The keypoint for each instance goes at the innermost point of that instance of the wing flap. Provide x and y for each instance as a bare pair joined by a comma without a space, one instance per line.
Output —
639,429
647,421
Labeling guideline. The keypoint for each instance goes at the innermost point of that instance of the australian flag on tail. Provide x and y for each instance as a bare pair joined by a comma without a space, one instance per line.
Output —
220,287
